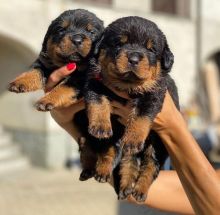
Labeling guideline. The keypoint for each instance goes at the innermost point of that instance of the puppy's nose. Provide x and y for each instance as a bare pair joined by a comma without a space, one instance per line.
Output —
77,40
134,59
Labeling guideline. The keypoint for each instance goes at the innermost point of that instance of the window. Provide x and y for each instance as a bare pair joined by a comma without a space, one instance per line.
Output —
172,7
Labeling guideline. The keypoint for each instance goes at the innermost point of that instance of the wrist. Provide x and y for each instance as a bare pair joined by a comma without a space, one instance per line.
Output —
169,124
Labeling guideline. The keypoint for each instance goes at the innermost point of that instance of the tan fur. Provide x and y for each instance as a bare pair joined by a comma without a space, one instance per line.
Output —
124,38
122,63
136,132
60,96
129,171
27,82
65,23
87,45
99,117
105,162
65,47
89,27
146,174
149,44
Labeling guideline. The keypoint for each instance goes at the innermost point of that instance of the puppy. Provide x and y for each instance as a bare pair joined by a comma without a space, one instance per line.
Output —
70,38
134,58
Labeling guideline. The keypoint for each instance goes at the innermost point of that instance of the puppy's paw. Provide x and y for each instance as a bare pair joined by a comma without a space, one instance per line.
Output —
27,82
102,178
139,196
17,87
124,193
139,193
43,105
103,171
86,174
131,148
101,129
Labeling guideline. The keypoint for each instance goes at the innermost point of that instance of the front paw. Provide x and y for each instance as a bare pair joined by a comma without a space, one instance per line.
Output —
132,147
17,87
124,193
103,178
103,172
138,195
43,105
101,129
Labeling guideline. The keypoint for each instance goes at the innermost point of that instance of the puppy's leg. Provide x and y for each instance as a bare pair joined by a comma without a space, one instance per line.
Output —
62,95
129,170
135,134
105,163
99,112
27,82
149,170
88,159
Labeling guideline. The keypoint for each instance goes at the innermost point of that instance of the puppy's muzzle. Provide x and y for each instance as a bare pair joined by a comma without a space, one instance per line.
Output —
77,40
134,58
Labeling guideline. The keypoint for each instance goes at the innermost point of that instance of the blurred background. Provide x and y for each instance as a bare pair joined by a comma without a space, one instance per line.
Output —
34,151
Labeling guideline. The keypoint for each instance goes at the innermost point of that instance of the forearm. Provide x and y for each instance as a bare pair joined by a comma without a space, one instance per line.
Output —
195,172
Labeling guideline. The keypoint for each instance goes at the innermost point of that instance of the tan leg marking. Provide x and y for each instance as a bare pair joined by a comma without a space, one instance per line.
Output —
148,171
99,118
135,134
129,170
104,165
27,82
60,96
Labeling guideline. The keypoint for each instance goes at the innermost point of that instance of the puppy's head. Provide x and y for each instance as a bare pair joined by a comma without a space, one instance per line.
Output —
134,54
71,36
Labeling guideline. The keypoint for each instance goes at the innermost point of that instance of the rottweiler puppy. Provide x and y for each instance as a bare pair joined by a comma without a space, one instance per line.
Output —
71,37
134,58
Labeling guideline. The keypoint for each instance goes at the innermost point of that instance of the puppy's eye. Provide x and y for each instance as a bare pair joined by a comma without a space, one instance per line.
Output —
92,31
60,29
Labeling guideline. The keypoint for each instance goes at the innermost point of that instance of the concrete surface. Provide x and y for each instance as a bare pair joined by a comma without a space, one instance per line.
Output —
40,192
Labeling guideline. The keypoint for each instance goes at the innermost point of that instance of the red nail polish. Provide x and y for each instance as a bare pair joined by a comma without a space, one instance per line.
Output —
71,66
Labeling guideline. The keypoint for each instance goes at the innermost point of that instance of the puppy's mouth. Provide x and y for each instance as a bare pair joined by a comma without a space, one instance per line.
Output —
129,77
66,58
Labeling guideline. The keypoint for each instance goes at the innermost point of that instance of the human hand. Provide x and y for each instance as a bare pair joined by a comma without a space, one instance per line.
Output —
163,122
64,116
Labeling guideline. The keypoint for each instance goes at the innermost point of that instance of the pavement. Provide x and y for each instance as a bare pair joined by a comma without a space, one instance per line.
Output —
47,192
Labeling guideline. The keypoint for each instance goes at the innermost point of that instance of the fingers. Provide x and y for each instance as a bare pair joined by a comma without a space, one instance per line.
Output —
117,104
65,115
58,75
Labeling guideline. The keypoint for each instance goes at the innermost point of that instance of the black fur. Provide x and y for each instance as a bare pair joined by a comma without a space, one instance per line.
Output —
79,20
148,101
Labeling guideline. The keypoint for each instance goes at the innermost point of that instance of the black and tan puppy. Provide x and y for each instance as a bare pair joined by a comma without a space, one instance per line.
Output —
134,58
70,38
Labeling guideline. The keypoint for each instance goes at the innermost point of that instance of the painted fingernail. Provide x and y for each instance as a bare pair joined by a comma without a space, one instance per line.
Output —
71,66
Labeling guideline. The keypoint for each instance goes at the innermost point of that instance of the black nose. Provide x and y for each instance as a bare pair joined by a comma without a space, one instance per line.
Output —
134,59
77,40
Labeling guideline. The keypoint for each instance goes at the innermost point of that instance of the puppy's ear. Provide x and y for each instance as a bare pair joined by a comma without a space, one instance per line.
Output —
98,45
167,59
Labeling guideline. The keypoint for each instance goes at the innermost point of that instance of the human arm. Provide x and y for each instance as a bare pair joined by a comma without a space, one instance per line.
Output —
196,174
198,178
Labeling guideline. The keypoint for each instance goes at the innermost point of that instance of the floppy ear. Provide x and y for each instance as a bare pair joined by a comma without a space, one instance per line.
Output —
167,59
97,45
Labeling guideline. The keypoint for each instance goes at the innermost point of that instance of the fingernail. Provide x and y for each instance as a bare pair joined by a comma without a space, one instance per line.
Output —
71,66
